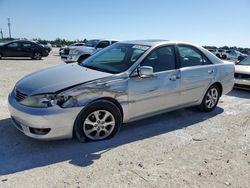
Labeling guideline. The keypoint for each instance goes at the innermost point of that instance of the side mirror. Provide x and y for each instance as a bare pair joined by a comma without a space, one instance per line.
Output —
145,71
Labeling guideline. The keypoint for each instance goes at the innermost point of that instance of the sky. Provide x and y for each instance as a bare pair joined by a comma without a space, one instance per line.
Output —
204,22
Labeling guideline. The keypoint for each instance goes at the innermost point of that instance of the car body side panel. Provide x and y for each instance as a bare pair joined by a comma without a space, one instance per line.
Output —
109,88
194,81
148,95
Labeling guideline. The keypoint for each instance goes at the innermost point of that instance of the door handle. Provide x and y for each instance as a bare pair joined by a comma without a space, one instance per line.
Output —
174,77
211,71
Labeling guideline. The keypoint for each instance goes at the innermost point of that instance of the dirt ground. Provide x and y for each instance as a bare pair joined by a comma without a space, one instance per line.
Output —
184,148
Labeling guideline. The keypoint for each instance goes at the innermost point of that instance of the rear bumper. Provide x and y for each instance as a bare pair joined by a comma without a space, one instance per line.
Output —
48,123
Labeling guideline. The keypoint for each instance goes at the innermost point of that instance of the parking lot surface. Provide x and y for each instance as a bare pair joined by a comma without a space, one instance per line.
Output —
184,148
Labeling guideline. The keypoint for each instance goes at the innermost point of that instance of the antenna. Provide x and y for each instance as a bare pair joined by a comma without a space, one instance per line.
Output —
9,27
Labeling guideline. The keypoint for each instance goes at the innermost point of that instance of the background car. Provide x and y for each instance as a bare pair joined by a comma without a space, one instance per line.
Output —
61,50
78,54
233,55
125,82
242,74
46,45
217,52
23,48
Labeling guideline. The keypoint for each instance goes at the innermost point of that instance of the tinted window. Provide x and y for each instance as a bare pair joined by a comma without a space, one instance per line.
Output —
103,44
190,56
92,43
13,45
27,45
161,59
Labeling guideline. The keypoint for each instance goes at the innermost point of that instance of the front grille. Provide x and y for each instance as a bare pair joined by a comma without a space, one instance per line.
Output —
20,96
239,75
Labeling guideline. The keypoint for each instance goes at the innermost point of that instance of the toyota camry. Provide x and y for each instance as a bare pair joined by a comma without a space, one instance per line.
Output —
124,82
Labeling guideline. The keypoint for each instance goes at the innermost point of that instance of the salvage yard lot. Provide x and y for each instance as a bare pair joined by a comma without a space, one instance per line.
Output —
184,148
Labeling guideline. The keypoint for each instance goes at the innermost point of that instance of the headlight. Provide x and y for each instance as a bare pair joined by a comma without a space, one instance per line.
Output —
73,51
45,100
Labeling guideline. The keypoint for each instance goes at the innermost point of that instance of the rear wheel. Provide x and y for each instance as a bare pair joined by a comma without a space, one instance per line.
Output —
224,57
210,99
37,56
101,120
1,56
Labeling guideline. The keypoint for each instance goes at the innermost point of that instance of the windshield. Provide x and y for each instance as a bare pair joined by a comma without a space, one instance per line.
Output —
246,61
115,59
92,43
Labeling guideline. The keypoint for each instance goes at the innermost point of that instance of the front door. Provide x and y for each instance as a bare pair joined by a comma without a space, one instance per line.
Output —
159,91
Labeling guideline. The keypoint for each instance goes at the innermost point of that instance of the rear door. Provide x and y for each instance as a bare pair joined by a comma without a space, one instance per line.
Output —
197,73
27,49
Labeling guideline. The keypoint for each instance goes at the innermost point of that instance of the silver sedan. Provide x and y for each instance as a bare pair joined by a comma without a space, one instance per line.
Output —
125,82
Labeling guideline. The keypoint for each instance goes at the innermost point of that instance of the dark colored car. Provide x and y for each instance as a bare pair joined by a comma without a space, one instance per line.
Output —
23,48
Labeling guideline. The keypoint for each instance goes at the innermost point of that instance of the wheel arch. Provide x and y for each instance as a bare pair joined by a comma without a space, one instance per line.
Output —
112,100
220,87
108,99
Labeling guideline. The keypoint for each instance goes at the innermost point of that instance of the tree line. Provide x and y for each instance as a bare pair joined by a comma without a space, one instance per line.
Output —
242,50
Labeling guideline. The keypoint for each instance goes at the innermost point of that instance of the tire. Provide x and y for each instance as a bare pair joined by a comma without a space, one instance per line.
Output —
211,99
1,56
82,58
224,57
218,55
240,58
98,121
37,56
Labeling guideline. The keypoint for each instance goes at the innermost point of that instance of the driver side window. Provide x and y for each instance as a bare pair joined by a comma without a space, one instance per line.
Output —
161,59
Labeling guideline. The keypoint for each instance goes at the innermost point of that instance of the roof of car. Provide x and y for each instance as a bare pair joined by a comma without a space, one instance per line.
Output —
149,42
21,41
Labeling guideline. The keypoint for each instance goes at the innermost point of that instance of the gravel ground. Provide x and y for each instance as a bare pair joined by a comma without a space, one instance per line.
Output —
184,148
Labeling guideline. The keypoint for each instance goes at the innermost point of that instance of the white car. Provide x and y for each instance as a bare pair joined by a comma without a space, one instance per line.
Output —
61,50
242,74
233,55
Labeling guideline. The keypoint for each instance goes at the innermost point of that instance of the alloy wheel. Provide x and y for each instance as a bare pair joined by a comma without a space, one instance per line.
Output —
37,56
99,124
212,98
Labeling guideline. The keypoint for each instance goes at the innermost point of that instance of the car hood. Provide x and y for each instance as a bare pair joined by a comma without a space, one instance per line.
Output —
82,48
243,69
57,78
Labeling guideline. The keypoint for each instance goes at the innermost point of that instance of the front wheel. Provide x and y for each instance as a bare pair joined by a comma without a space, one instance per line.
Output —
210,99
101,120
37,56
